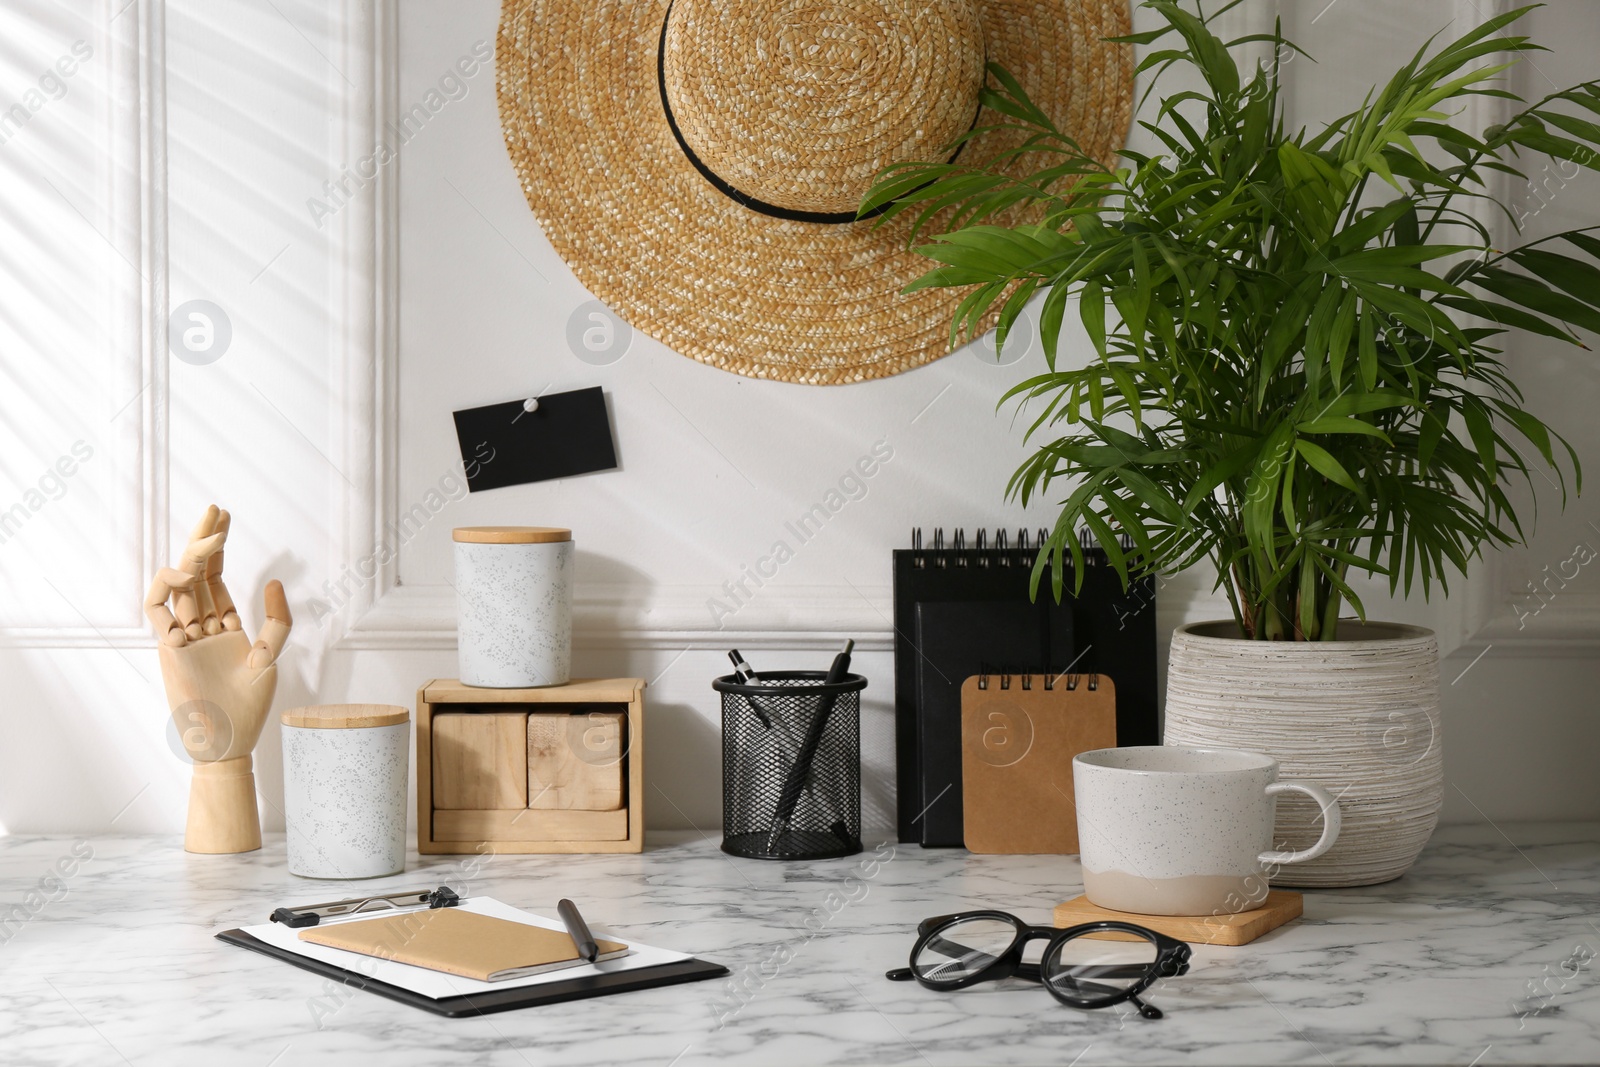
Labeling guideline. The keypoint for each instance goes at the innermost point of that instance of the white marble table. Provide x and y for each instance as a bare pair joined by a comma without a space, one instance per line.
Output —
1478,956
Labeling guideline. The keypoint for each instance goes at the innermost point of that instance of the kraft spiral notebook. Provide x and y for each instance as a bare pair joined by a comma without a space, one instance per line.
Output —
1113,634
1019,734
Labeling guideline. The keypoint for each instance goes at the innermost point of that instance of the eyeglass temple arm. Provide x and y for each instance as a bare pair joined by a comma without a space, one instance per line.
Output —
1149,1011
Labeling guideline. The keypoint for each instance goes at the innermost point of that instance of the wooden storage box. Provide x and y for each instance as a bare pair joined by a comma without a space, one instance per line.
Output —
556,769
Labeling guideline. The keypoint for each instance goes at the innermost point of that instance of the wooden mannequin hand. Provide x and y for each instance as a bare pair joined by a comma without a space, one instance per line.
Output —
219,685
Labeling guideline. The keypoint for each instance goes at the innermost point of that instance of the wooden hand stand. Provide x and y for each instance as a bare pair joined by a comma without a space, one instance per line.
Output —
219,686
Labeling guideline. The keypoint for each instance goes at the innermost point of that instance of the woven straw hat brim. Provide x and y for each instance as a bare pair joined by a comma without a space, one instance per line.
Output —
812,303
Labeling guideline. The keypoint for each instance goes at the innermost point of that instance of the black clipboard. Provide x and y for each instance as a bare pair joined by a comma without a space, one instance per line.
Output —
578,988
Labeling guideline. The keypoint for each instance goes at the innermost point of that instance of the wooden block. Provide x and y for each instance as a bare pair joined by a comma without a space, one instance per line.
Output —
480,760
575,760
1281,906
507,828
523,824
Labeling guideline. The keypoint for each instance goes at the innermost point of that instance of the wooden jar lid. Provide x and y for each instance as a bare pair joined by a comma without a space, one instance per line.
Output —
511,535
345,716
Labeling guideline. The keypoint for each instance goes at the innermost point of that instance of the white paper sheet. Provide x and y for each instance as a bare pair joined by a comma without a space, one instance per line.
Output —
437,984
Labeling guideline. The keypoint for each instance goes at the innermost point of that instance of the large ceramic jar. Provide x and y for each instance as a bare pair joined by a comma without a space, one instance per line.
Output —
1358,716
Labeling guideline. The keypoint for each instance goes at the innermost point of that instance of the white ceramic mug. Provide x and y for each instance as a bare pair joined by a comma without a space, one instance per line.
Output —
1168,830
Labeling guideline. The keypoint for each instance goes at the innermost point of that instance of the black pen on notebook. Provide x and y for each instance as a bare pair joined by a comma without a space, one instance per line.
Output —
578,930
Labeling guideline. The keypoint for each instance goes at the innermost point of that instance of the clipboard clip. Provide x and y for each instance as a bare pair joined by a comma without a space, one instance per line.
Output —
312,914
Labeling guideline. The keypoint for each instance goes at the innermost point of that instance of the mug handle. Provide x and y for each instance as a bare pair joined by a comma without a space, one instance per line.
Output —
1331,822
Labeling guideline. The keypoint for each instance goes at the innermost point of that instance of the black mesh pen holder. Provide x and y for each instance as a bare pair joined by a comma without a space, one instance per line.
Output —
791,766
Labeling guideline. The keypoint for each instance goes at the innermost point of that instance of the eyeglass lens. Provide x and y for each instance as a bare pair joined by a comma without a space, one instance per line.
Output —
1092,968
962,950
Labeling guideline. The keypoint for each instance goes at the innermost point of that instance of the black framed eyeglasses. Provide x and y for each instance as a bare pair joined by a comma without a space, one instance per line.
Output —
956,951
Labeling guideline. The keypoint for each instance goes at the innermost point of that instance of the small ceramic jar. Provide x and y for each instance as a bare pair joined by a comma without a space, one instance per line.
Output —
514,605
345,772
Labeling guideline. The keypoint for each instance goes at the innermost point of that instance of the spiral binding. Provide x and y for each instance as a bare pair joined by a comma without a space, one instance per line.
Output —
1002,553
1050,680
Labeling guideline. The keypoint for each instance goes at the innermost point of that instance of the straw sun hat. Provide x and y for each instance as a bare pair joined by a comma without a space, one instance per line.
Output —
698,163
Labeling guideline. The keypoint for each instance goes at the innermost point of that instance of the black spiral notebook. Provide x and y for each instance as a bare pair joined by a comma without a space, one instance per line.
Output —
954,641
964,608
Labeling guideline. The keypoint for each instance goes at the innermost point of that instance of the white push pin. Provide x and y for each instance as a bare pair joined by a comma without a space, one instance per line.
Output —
530,405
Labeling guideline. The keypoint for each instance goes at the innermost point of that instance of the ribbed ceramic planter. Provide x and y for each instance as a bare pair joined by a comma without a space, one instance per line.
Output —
1359,716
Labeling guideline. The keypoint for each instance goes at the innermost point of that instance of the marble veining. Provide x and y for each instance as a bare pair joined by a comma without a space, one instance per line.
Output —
1480,954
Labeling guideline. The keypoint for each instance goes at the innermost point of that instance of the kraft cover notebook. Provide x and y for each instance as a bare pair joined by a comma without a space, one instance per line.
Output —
1018,737
956,641
465,943
1113,634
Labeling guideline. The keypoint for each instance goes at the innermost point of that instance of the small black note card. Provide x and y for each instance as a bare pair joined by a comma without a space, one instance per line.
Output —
564,434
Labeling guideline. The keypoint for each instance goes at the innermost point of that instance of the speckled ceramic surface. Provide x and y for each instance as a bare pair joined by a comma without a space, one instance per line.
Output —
514,614
344,800
1183,831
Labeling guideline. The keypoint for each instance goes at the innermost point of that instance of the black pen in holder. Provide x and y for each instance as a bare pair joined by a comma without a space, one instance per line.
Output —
764,727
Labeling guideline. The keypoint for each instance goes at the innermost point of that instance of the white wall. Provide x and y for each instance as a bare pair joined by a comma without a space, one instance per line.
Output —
328,414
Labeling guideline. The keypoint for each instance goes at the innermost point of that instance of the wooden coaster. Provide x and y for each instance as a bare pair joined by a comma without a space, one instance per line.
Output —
1240,929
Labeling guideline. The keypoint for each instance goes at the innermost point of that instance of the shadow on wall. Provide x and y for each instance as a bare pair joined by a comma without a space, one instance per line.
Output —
301,676
1520,736
80,771
683,753
877,751
628,581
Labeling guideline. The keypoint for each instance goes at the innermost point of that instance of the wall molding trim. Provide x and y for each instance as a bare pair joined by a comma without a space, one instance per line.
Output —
363,289
131,215
1490,609
154,303
675,618
665,617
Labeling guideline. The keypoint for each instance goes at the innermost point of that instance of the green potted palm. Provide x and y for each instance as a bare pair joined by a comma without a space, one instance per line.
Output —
1294,378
